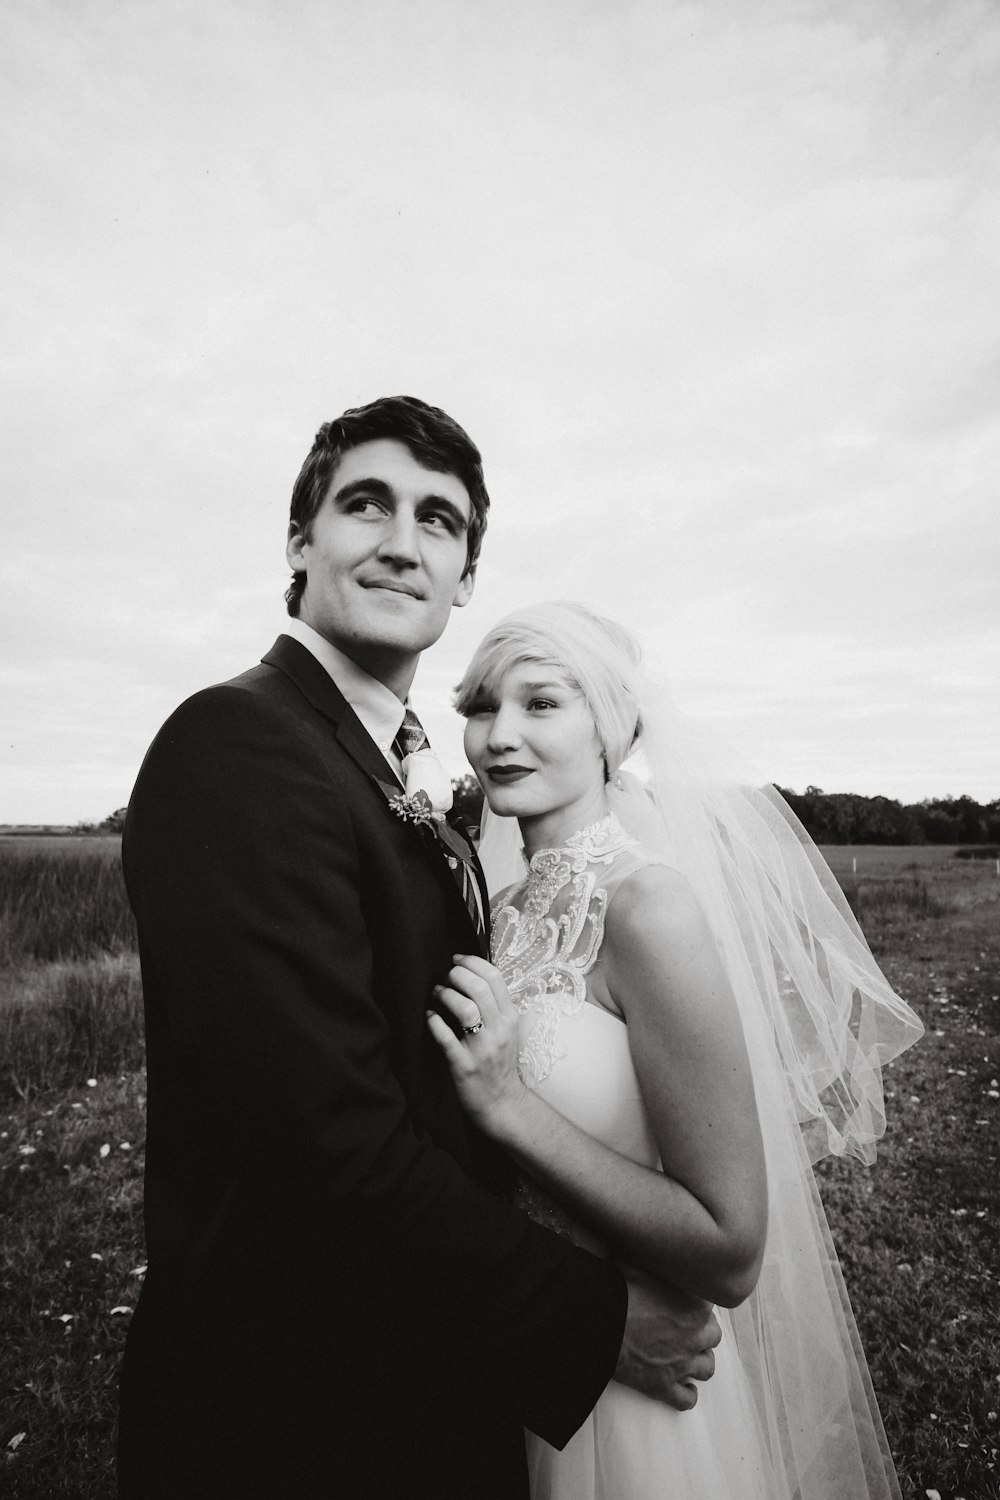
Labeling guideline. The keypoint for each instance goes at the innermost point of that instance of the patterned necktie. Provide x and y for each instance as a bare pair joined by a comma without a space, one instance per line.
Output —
411,737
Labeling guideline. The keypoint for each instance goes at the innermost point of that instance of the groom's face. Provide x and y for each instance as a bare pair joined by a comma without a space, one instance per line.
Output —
385,558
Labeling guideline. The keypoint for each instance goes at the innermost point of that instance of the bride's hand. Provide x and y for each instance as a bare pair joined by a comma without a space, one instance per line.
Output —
483,1056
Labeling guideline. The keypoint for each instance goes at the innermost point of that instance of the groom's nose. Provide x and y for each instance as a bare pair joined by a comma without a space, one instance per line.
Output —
399,541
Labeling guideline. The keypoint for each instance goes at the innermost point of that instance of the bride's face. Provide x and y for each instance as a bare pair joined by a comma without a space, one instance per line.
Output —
533,745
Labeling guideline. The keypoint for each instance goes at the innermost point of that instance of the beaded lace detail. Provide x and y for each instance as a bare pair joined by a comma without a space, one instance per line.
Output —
547,933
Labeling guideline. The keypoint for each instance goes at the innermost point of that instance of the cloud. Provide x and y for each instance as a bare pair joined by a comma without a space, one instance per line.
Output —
714,287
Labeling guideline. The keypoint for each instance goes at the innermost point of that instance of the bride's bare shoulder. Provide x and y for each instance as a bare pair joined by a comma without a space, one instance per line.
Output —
653,899
656,937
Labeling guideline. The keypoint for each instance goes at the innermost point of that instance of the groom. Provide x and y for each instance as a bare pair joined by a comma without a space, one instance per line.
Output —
340,1300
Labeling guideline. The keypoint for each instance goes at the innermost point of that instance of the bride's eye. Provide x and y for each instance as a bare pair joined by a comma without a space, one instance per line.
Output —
543,703
479,707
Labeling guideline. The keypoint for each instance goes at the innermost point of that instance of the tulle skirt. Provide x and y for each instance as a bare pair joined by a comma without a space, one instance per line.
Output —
632,1448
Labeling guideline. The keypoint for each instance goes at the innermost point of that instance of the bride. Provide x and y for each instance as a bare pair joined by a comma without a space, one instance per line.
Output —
680,1016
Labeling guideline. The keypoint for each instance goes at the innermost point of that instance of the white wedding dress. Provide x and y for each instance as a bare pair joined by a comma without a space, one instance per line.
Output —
574,1052
789,1413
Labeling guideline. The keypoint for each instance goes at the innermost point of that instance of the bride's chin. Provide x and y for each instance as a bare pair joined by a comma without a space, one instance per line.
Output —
503,802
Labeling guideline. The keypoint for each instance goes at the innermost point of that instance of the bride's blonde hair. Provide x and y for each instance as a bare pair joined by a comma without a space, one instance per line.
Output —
600,658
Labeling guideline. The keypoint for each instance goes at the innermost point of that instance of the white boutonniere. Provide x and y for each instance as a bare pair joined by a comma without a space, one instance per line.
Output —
423,772
426,797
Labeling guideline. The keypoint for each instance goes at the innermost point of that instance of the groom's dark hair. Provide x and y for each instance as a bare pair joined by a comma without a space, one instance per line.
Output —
434,439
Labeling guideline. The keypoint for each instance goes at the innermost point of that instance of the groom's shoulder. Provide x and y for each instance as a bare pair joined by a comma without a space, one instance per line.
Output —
259,694
247,691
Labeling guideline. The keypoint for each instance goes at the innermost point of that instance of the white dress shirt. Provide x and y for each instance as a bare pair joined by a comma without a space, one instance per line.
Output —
378,708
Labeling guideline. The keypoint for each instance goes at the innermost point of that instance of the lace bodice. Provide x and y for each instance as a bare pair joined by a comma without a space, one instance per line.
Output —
548,931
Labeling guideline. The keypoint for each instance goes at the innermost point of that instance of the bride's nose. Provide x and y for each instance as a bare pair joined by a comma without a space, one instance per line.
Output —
504,733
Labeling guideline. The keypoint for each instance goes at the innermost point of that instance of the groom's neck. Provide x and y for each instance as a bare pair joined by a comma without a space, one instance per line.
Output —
388,667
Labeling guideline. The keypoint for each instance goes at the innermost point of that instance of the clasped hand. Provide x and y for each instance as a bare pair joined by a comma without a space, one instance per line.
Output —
482,1058
669,1336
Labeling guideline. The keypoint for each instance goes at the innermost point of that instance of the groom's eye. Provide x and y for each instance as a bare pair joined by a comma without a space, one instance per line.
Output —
442,519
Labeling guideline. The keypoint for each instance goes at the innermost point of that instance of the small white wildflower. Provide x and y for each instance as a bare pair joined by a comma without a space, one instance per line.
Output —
94,1255
120,1310
104,1151
91,1083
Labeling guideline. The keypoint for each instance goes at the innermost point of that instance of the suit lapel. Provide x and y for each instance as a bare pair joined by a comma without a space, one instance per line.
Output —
318,687
315,683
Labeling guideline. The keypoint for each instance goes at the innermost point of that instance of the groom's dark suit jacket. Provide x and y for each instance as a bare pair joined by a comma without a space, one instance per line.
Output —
339,1300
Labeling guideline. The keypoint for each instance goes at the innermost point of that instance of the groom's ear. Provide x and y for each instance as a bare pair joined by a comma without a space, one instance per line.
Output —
293,548
466,586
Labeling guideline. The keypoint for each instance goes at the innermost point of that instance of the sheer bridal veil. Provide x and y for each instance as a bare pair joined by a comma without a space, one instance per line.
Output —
819,1018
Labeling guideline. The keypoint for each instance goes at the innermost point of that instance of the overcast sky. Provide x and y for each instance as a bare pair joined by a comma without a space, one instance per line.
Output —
714,286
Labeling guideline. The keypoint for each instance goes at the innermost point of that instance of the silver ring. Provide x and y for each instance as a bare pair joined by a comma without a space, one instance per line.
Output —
471,1030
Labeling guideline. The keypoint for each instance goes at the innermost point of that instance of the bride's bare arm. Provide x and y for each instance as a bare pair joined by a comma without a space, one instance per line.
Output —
699,1224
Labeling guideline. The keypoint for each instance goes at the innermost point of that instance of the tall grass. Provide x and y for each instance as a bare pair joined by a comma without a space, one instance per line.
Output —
917,1234
62,903
70,995
882,902
68,1022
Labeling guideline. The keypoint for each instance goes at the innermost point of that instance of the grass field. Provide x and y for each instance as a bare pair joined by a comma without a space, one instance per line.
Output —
917,1233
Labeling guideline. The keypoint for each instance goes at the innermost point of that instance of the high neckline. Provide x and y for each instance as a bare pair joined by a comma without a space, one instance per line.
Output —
595,841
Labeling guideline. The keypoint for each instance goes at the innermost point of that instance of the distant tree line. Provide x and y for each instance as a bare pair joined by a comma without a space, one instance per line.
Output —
113,823
468,799
829,817
846,818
